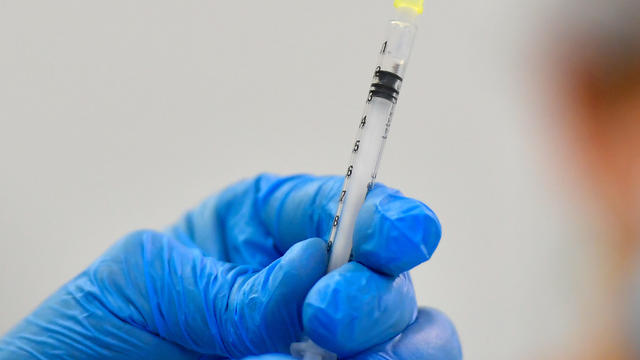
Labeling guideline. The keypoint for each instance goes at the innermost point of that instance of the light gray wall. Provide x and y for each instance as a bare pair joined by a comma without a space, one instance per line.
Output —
119,115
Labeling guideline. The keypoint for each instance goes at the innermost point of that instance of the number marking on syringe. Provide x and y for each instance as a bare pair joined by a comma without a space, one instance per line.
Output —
387,128
363,122
384,48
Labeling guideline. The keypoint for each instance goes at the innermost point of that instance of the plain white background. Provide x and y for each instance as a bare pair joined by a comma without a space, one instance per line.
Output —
120,115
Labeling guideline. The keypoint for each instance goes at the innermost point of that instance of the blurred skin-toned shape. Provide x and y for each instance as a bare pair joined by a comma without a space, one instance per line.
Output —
597,68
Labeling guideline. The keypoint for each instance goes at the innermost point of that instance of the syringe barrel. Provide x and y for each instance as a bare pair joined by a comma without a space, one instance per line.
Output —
367,149
372,134
361,174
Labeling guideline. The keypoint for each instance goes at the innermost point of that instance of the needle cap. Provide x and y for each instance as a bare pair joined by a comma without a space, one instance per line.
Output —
415,5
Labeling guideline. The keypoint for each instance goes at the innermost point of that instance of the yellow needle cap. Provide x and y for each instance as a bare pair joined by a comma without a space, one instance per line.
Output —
415,5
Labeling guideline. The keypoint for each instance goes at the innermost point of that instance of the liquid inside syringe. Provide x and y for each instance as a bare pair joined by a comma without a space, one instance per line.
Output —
373,131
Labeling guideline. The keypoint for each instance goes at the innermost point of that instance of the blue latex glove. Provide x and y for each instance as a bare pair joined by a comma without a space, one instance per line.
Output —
236,277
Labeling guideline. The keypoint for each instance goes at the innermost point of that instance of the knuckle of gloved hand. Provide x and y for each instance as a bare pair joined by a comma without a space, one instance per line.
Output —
355,308
235,195
108,271
108,281
261,185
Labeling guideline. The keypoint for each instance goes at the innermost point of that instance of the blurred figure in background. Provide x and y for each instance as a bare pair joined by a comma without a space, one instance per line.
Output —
597,69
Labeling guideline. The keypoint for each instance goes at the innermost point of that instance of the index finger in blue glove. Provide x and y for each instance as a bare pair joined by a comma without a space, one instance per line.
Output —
256,220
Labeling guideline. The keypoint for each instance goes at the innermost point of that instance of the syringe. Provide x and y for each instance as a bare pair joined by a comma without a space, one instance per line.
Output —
373,131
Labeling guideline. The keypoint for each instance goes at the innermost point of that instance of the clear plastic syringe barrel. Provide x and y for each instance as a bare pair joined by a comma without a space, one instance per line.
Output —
372,135
367,149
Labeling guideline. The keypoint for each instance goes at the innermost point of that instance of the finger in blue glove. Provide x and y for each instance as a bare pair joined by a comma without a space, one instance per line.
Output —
431,337
152,296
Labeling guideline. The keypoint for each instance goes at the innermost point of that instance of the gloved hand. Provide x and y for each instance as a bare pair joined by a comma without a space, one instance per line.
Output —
236,277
